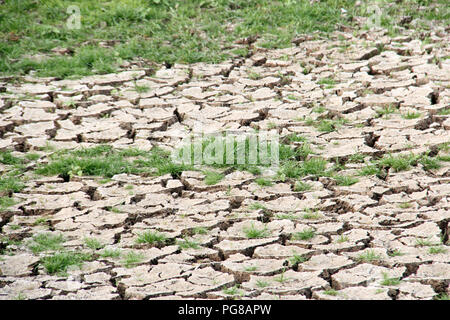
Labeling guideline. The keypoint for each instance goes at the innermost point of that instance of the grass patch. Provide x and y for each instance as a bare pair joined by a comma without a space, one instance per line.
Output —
389,281
342,180
233,291
369,170
301,186
263,182
166,31
131,259
6,202
398,163
405,205
253,232
151,237
297,259
257,206
386,111
287,216
188,244
105,161
342,239
251,268
442,296
424,242
295,169
395,253
411,115
262,284
368,256
110,253
93,244
212,177
331,292
200,230
304,235
7,158
61,261
437,250
11,184
46,242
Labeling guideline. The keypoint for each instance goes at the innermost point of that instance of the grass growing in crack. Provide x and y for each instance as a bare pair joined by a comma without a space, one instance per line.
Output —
187,244
151,237
398,163
424,242
263,182
294,169
429,163
342,180
32,156
304,235
387,111
405,205
250,268
301,186
200,230
293,137
442,296
6,202
327,125
287,216
61,261
105,161
411,115
7,158
331,292
369,170
395,253
110,253
11,184
437,250
257,206
368,256
389,281
93,243
262,284
253,232
297,259
356,158
311,214
444,112
281,278
328,82
212,177
342,239
46,242
233,291
131,259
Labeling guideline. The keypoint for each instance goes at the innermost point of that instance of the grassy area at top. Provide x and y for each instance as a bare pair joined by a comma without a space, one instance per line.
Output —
168,31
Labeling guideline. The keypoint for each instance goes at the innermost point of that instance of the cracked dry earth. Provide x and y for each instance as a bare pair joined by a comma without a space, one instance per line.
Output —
366,244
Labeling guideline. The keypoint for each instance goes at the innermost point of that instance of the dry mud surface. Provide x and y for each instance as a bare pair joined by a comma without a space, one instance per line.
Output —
381,228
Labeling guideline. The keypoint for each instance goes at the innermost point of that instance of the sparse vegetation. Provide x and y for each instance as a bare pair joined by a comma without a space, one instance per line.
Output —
368,256
151,237
304,235
61,261
46,242
252,232
131,259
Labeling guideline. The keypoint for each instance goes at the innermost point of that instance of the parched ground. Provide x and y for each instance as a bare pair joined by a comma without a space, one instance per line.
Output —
377,229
